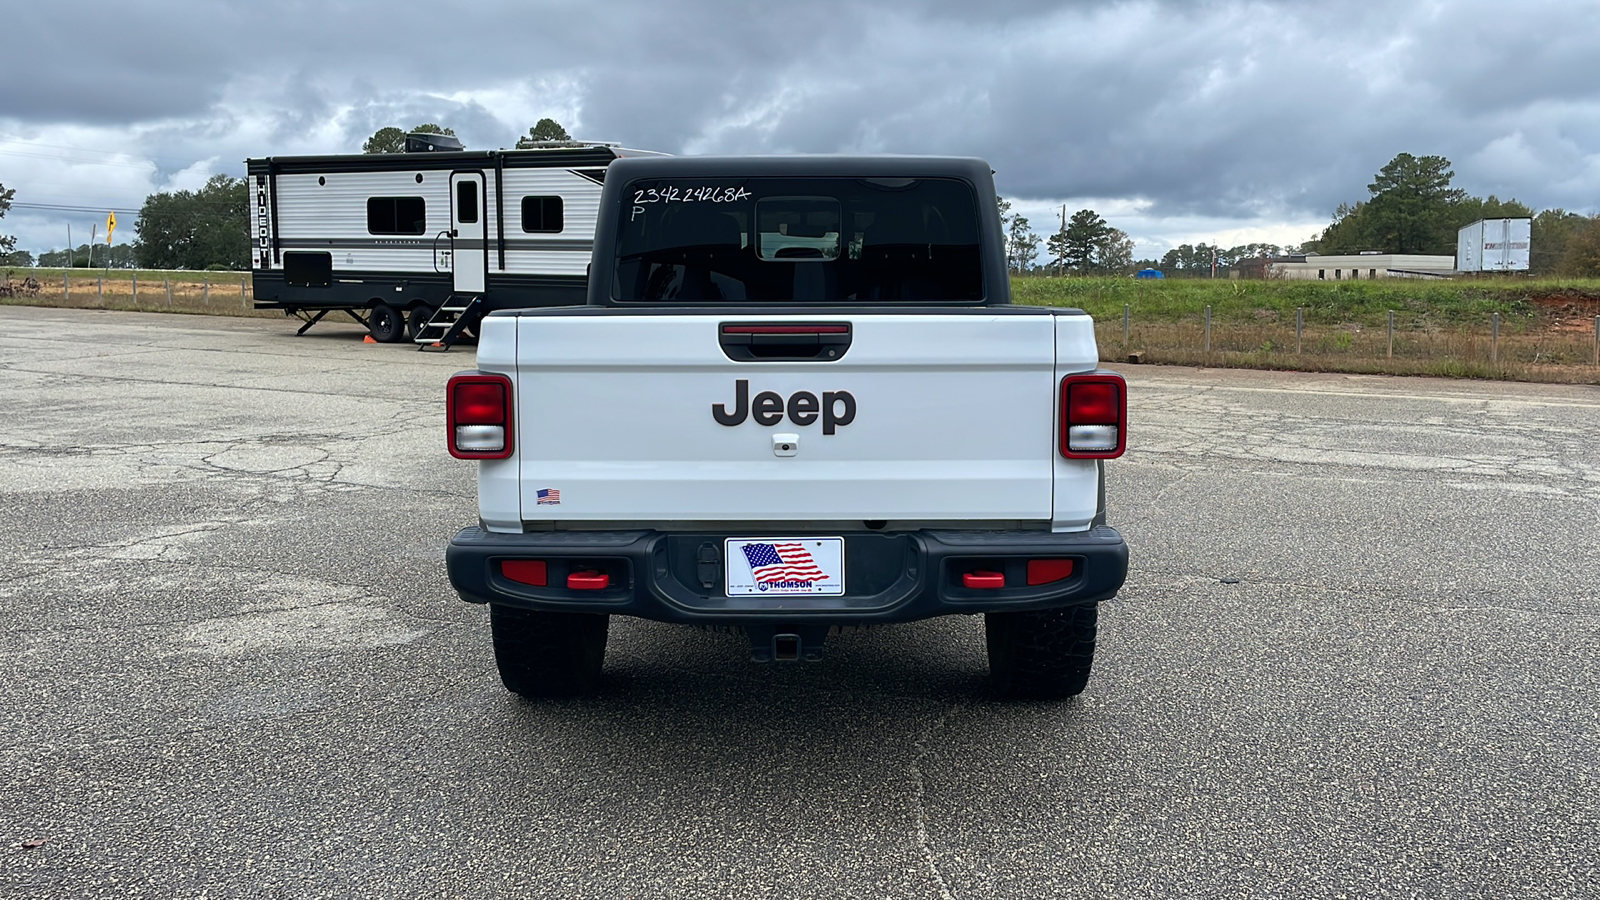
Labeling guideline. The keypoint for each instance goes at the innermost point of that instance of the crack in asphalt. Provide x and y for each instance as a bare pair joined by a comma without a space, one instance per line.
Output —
131,379
920,796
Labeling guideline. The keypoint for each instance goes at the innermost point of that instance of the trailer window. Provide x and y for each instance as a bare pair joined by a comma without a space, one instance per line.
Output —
467,202
397,215
302,269
784,240
542,215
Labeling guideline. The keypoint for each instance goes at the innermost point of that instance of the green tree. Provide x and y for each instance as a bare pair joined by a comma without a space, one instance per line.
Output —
1350,232
196,229
1551,231
1080,238
1412,208
393,140
1022,245
385,140
543,130
1055,248
1471,209
1113,253
7,242
16,258
1581,256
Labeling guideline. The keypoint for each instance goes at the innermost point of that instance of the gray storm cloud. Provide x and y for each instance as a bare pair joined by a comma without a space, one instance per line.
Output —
1250,111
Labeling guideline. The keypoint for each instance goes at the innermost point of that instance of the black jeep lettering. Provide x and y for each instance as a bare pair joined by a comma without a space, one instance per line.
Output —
768,409
741,404
803,407
829,417
837,408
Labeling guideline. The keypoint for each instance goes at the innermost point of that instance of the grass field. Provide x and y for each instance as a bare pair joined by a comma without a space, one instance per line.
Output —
1546,329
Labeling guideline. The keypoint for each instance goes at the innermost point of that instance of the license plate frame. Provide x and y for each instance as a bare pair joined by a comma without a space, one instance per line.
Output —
790,559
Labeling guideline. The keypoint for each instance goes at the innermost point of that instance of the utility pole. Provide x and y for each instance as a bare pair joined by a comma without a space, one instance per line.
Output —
1061,262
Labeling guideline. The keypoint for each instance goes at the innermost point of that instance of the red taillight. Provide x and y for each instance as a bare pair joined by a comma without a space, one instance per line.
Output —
1045,571
1094,412
481,403
526,571
1093,404
478,417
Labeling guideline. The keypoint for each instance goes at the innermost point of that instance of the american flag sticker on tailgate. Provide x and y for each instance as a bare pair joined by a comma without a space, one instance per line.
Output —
549,497
769,566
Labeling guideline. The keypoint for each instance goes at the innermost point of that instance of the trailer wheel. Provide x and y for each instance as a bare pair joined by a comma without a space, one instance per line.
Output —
416,318
386,324
548,654
1041,654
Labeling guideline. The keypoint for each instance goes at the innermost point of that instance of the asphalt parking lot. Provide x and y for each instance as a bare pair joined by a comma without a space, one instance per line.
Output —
1358,655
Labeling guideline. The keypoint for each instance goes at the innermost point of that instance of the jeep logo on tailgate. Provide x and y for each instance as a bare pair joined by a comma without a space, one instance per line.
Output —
837,408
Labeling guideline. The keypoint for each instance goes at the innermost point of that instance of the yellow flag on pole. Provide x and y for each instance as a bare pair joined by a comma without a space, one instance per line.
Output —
111,225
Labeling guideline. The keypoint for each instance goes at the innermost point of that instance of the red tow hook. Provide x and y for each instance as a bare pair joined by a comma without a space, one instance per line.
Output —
983,580
588,580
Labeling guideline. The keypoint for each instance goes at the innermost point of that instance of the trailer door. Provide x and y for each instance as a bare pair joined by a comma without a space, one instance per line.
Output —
469,256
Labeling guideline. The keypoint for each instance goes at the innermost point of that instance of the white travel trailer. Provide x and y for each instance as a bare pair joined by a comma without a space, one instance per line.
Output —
421,244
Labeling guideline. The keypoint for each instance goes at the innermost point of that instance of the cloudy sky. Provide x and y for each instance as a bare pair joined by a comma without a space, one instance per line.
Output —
1211,120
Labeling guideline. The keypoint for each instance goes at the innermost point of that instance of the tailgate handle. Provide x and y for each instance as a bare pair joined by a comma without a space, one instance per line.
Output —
792,342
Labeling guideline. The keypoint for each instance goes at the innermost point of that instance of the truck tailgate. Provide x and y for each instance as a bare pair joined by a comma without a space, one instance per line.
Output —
953,421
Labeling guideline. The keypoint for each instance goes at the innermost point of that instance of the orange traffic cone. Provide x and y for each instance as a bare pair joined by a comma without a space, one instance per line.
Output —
369,339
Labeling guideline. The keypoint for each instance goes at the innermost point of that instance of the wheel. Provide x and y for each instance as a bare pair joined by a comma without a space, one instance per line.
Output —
386,324
417,318
545,654
1041,654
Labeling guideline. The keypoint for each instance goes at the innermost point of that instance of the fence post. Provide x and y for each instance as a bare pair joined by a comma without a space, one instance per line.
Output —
243,301
1125,318
168,283
1391,334
66,283
1299,325
1597,340
1494,339
1208,328
136,289
207,296
100,286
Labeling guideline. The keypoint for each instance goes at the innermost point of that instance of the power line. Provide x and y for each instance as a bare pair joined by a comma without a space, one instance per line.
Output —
61,207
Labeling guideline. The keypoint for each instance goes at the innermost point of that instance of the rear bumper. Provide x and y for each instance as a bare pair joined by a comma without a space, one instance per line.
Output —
894,577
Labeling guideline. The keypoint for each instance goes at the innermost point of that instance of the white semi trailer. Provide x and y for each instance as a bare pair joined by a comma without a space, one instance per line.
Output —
1494,245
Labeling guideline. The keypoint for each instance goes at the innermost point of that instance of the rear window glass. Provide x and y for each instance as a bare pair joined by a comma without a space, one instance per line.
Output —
798,239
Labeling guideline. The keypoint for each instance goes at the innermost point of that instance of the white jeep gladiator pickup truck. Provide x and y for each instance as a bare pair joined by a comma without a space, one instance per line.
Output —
798,399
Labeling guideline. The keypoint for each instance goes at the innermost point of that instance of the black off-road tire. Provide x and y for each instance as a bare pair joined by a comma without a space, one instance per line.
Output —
386,324
548,654
415,319
1041,654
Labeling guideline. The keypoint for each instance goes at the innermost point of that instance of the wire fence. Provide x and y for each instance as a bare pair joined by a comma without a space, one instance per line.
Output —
220,293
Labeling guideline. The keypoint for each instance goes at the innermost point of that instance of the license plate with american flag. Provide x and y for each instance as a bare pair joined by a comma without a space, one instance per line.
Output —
769,566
